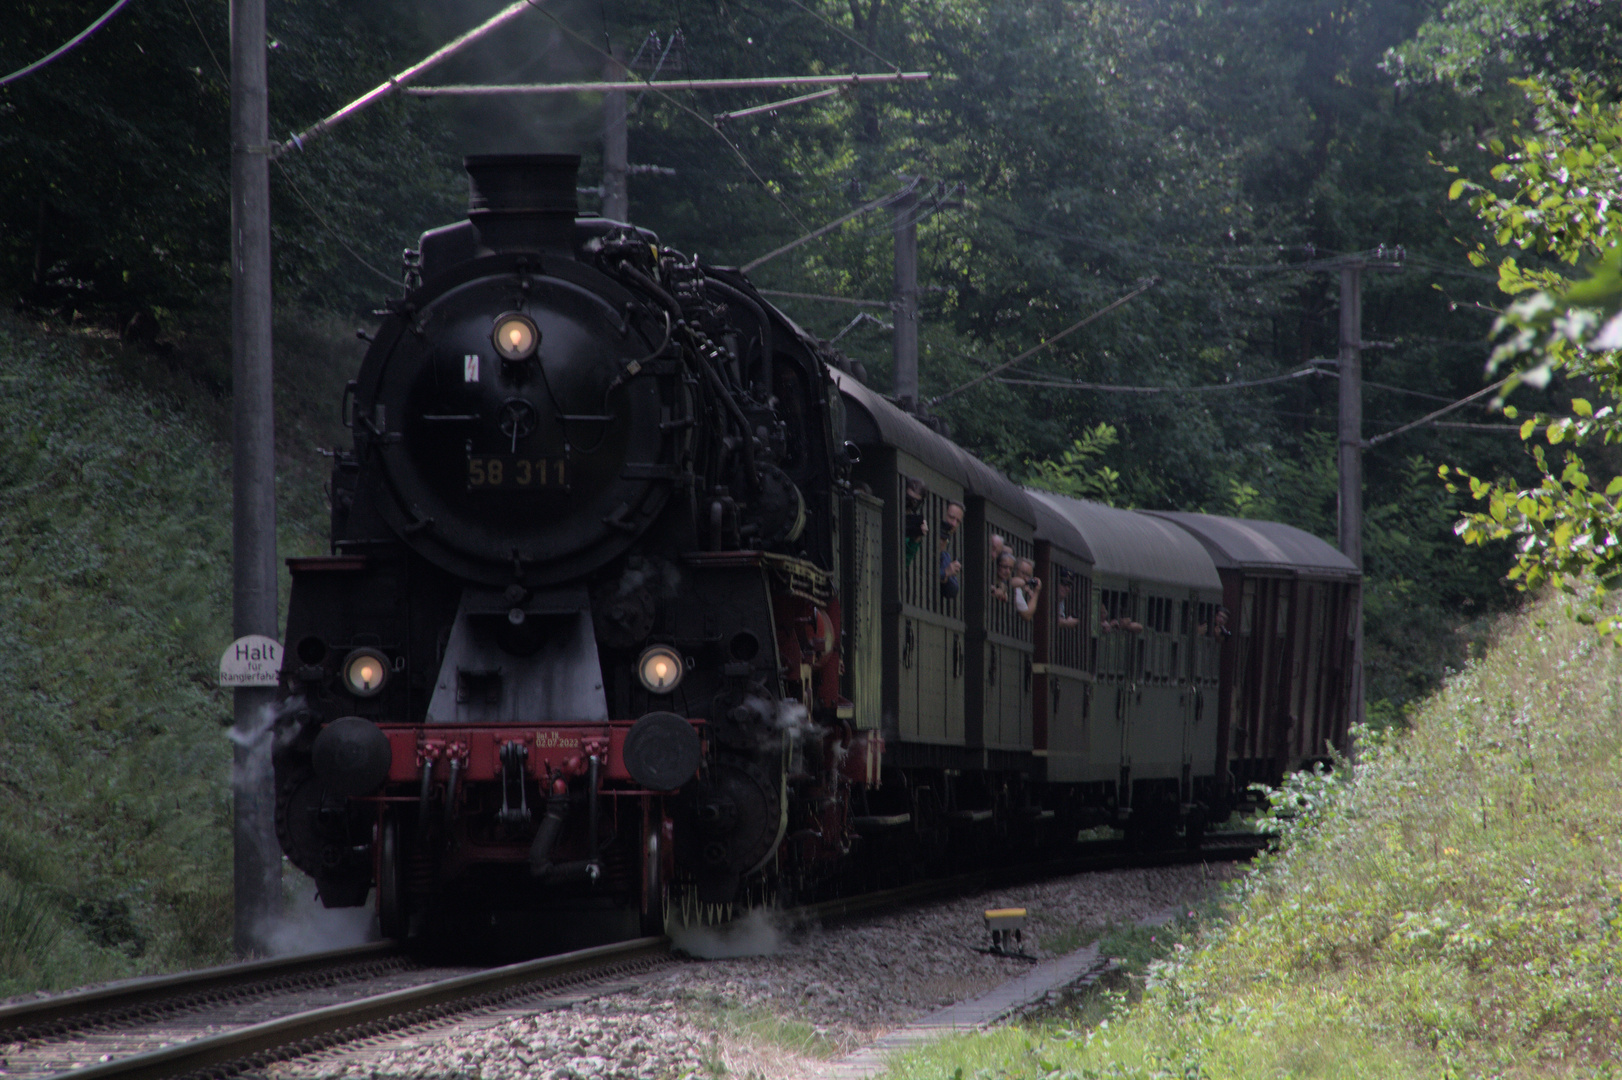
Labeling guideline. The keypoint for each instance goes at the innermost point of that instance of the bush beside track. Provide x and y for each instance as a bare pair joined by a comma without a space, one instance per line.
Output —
115,511
1451,910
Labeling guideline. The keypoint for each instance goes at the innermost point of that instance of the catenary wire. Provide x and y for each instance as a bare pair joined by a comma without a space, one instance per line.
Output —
840,30
1067,385
1443,268
1316,264
1109,388
824,297
288,176
658,67
1329,418
829,227
65,49
1046,384
1428,418
396,82
1332,374
1143,285
1131,251
700,117
217,65
1369,444
1266,410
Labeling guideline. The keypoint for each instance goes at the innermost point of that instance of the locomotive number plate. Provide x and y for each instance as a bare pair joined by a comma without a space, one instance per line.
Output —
502,472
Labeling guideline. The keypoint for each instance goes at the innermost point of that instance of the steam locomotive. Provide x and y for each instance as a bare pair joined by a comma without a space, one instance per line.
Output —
638,600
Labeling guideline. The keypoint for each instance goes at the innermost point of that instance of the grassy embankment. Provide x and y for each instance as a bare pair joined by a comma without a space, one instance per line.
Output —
1454,910
115,601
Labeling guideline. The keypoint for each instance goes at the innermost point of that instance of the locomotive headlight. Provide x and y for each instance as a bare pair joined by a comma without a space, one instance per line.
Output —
660,669
515,337
365,672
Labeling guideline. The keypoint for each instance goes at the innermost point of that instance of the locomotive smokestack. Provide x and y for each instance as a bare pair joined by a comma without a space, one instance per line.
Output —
522,202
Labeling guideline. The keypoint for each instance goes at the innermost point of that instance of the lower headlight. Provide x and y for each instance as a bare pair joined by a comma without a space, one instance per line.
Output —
365,672
660,669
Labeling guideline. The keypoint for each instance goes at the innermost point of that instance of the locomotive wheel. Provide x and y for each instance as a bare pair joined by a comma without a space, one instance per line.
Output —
655,892
392,916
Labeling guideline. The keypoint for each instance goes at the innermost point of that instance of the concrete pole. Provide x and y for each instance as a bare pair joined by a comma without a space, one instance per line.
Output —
258,861
1351,450
616,189
906,300
1351,412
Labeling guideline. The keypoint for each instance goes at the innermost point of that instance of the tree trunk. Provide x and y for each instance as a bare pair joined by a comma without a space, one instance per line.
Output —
866,24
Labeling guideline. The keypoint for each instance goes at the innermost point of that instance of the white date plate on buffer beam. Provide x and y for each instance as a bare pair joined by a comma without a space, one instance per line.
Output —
255,660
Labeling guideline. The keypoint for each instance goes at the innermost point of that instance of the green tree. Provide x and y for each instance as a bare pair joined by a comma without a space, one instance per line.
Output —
1076,472
1477,45
1097,142
114,159
1555,199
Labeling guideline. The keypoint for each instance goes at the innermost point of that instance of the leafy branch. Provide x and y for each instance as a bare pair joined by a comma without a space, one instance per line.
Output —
1563,186
1074,471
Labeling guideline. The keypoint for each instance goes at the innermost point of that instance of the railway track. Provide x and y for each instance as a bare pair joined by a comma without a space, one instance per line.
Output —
242,1017
1091,857
128,1040
132,1000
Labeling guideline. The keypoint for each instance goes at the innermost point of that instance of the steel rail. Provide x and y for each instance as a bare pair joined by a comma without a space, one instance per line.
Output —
304,1032
78,1007
1109,855
369,1015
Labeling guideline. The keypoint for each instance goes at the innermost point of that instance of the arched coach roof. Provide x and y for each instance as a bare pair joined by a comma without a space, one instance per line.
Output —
1262,546
1054,527
994,487
1137,546
869,418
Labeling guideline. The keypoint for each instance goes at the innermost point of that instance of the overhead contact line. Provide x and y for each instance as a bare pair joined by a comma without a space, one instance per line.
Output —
66,48
1144,285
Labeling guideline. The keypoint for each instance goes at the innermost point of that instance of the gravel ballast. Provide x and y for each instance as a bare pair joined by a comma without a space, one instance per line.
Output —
817,994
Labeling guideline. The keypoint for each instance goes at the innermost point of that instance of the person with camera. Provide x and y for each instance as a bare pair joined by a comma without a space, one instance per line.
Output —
1027,589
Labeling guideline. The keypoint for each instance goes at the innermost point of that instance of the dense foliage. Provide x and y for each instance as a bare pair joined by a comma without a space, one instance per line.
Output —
112,800
1069,149
1450,909
115,846
114,159
1554,200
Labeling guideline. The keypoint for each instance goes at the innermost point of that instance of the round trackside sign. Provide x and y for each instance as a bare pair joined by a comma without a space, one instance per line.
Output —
255,660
